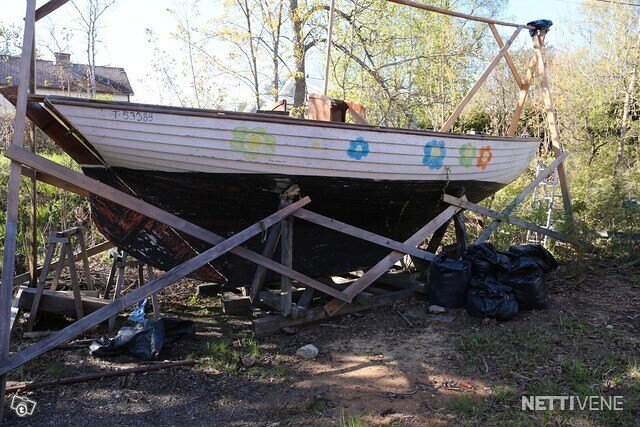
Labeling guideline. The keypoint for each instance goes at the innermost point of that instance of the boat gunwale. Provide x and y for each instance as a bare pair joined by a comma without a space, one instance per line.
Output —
52,100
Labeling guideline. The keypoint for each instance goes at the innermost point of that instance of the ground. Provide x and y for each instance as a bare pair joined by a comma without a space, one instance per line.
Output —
377,368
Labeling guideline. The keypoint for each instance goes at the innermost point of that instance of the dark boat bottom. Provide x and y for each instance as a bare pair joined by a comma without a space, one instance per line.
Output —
228,203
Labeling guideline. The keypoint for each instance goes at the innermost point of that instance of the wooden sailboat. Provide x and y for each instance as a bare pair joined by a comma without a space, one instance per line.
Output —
225,170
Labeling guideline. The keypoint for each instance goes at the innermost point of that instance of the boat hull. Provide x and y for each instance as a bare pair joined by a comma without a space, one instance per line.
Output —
228,203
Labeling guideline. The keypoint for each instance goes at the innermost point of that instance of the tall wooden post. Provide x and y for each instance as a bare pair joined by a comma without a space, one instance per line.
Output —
328,58
33,246
13,196
552,122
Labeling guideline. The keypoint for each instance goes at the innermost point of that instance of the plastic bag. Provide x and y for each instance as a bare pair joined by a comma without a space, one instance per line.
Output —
529,286
487,298
533,253
448,282
483,258
145,340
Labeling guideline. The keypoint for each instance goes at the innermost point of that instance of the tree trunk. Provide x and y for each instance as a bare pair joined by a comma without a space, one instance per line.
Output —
299,57
628,99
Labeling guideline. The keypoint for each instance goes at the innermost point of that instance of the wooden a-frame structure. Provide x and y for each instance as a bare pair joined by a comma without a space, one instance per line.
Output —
25,162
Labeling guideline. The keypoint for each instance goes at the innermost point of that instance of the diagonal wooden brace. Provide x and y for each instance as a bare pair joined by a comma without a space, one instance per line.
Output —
486,233
144,291
93,186
380,268
506,218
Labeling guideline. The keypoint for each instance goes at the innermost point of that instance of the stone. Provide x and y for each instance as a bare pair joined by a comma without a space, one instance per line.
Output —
308,351
436,309
248,361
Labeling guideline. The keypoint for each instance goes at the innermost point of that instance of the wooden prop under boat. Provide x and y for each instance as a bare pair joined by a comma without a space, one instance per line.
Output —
225,170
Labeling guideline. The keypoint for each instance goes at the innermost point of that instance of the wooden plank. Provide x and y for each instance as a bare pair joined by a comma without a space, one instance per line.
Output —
151,287
273,324
306,298
515,221
154,297
507,57
386,263
362,234
446,127
153,212
269,247
13,195
48,179
33,313
522,96
118,290
15,308
357,117
75,285
94,250
553,125
235,305
286,258
458,14
48,8
486,233
59,266
85,259
60,302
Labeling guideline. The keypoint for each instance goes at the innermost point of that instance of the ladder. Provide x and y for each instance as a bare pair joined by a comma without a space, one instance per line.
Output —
544,199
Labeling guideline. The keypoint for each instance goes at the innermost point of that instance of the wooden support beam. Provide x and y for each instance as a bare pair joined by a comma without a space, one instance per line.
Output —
505,218
362,234
553,125
48,8
144,291
507,57
446,127
458,14
486,233
273,324
522,96
13,195
261,272
386,263
60,302
153,212
286,258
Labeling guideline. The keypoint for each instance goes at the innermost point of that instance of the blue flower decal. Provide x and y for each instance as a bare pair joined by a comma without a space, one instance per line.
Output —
434,154
358,148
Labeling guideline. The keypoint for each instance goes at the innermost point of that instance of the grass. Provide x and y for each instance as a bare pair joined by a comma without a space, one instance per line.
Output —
467,405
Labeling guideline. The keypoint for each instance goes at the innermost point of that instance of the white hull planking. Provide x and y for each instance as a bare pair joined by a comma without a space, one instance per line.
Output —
188,143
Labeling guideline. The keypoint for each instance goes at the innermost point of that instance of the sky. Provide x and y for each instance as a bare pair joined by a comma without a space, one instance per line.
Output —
125,42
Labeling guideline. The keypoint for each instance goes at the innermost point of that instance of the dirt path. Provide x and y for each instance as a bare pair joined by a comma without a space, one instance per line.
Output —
373,369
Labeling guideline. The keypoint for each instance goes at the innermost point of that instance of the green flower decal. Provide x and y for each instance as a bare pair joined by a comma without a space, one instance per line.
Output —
254,142
467,154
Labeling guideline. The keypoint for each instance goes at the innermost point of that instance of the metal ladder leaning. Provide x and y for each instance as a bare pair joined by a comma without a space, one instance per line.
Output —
544,199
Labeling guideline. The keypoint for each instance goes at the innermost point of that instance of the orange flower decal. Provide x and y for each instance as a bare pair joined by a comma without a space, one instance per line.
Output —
484,157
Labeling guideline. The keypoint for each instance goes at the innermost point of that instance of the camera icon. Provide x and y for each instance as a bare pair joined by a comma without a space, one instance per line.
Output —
23,406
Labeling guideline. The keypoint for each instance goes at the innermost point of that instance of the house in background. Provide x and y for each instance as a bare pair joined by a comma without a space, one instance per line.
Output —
62,77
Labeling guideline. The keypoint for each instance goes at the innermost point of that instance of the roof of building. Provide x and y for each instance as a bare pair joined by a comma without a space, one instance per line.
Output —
64,75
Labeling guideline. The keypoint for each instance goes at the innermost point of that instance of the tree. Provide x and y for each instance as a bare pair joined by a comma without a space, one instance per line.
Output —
89,14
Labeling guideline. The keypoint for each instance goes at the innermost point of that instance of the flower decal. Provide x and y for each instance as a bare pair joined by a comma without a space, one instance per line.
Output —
358,148
467,154
254,142
434,153
484,157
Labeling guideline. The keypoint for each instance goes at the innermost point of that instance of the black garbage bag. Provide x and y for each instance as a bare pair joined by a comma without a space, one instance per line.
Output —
528,285
145,340
448,281
484,259
487,298
522,254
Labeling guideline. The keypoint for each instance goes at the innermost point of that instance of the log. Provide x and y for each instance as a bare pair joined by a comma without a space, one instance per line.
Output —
100,375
